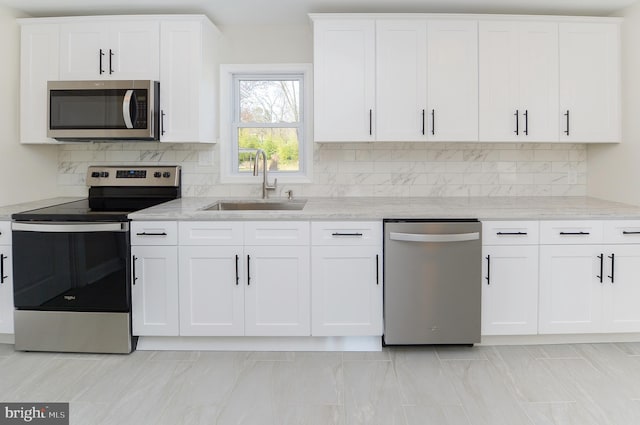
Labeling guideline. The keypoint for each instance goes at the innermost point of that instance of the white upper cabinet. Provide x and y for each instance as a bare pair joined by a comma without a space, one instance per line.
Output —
122,50
401,84
590,82
39,63
518,81
188,81
452,81
344,86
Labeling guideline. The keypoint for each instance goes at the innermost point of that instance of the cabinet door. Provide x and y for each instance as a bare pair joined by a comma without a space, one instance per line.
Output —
622,288
6,290
571,290
452,81
401,80
590,82
211,291
499,77
154,293
134,51
38,64
180,65
344,81
84,51
277,292
538,86
346,291
510,290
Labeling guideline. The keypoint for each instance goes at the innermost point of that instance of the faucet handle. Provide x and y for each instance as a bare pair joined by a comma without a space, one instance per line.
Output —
289,194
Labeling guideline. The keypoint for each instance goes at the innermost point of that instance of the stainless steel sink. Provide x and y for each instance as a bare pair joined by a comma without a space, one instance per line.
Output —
258,205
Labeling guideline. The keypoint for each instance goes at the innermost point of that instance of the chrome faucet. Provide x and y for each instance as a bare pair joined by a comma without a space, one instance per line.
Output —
265,182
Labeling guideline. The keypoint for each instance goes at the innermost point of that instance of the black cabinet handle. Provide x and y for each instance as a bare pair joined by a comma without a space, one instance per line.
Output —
488,278
517,115
162,114
567,130
133,269
151,234
601,257
110,62
624,232
526,122
237,274
423,129
100,55
511,233
613,267
574,233
355,234
377,269
248,270
2,276
370,122
433,122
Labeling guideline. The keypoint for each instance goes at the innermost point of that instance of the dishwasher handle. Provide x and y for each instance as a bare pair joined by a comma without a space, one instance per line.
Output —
421,237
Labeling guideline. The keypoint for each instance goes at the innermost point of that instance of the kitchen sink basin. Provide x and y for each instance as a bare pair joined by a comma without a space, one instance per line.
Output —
258,205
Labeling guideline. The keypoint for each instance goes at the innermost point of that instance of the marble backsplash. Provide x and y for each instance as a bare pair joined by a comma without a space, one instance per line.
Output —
361,169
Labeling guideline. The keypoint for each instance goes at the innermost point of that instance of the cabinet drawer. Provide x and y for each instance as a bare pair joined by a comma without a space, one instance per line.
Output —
154,233
571,232
276,233
346,233
622,231
510,233
5,233
211,233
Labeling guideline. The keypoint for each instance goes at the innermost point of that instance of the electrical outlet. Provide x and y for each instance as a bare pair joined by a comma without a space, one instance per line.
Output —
572,177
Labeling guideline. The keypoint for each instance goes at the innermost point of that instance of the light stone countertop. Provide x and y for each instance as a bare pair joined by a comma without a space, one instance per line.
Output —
483,208
6,211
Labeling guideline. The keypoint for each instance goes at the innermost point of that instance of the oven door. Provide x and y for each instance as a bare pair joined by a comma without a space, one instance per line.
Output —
71,266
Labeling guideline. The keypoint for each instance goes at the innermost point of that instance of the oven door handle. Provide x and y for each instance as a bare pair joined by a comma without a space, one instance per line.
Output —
58,227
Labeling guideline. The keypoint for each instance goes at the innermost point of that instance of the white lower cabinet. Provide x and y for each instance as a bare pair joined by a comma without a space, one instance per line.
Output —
240,278
591,286
154,290
510,290
277,293
347,279
211,290
6,279
154,281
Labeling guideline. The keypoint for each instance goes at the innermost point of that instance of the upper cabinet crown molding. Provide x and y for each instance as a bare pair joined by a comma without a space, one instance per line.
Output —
180,51
406,77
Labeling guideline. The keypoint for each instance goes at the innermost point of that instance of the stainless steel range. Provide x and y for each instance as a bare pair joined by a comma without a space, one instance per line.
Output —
72,262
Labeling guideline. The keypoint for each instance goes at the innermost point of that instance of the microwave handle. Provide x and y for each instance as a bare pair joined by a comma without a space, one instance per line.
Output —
129,97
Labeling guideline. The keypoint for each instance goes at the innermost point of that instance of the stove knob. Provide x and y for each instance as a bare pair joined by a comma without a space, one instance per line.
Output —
157,174
95,174
166,174
104,174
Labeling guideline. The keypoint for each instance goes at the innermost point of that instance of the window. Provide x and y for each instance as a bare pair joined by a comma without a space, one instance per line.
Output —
268,110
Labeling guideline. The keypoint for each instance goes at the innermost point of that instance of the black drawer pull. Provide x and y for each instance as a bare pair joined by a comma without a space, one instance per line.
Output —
488,278
151,234
511,233
624,232
356,234
133,266
237,273
613,268
574,233
601,258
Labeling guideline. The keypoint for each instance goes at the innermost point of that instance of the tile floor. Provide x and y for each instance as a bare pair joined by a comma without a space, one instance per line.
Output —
581,384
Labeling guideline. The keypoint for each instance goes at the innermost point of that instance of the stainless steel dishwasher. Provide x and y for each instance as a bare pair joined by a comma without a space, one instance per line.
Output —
432,281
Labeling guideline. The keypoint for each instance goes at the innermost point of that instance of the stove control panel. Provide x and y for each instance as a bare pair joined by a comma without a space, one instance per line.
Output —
128,175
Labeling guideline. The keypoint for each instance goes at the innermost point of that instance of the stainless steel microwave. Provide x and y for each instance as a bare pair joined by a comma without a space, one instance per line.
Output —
103,110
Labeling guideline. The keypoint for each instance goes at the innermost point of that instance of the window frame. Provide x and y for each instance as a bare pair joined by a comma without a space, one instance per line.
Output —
229,119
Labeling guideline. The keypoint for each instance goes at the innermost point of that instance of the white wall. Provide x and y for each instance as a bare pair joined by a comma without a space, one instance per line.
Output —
26,172
614,170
